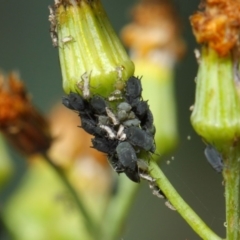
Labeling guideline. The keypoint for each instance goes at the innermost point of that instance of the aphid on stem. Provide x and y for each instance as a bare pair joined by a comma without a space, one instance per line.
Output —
66,40
84,85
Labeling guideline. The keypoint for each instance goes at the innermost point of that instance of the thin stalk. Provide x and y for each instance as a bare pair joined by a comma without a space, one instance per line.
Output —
231,175
195,222
89,223
118,209
5,232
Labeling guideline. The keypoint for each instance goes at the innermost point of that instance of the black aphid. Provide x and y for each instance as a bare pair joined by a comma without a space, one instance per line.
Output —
115,163
214,158
98,105
133,90
104,145
141,109
128,158
147,122
126,155
140,138
91,127
74,101
132,174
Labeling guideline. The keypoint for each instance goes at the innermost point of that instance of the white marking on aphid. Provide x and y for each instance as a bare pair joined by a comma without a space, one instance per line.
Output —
111,115
111,134
120,134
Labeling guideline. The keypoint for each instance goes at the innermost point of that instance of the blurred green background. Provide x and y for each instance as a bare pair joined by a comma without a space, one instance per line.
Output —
25,45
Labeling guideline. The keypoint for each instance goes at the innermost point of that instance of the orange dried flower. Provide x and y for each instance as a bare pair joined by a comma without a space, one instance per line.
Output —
218,25
155,26
20,122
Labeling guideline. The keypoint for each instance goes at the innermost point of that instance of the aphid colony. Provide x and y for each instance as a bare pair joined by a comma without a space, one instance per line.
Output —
122,128
122,134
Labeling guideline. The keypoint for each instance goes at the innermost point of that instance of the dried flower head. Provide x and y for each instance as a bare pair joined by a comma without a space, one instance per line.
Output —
20,122
155,26
218,25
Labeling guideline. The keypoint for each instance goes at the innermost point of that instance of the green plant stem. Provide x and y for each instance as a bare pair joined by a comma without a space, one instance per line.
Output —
195,222
5,232
118,209
90,226
231,175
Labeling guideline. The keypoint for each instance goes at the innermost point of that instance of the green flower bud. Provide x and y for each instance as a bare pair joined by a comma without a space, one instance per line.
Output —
91,55
216,112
